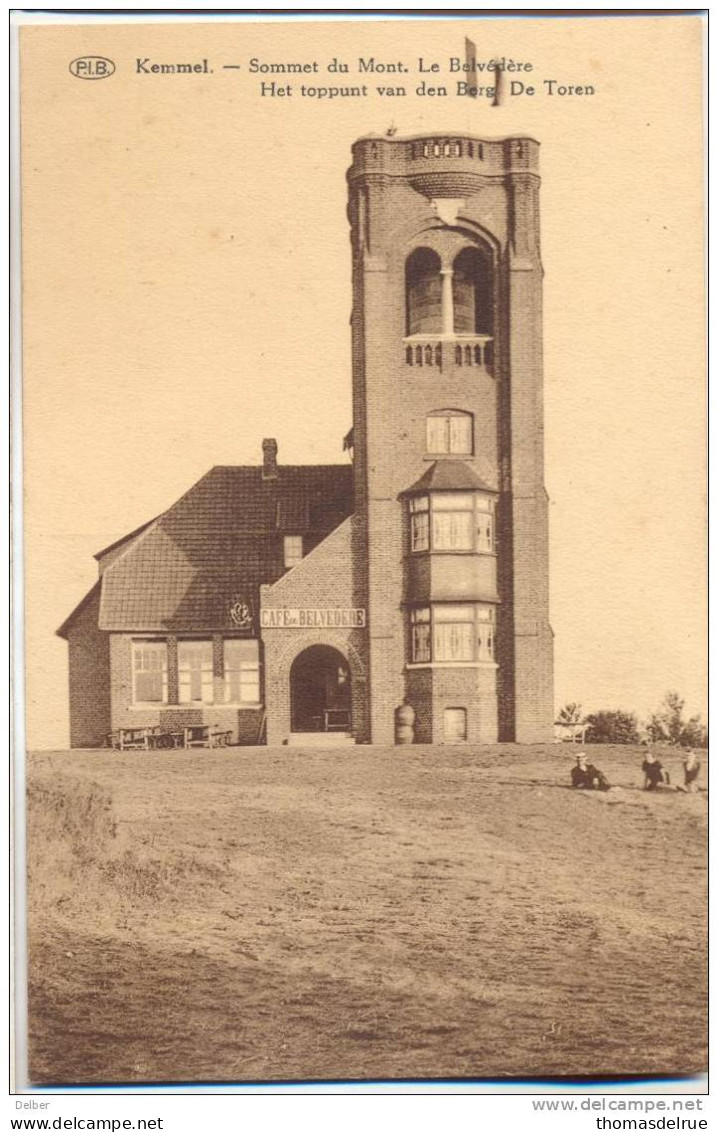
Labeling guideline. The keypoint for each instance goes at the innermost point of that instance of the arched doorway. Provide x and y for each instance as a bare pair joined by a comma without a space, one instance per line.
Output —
320,685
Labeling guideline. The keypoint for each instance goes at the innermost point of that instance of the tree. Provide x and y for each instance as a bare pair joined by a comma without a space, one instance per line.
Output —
612,727
669,725
569,715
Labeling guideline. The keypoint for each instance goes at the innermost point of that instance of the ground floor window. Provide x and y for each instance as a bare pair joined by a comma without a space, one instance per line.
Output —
216,670
195,672
452,633
241,672
149,672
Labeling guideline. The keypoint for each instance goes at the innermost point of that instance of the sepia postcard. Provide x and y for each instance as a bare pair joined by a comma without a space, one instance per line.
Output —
362,429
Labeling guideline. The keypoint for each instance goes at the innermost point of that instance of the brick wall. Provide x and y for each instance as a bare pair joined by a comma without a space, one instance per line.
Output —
533,648
323,579
432,691
89,670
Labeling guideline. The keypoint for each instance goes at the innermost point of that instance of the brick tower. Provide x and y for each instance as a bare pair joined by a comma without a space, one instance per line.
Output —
451,528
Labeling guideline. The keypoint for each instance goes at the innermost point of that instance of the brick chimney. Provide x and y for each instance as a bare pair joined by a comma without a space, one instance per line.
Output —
269,466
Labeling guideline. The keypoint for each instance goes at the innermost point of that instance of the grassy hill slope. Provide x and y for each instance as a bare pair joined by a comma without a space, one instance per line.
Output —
257,914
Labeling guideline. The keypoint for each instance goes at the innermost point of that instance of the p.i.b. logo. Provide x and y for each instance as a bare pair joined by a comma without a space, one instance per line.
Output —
92,67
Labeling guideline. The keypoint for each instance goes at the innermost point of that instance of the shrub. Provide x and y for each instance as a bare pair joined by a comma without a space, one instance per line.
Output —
612,727
669,725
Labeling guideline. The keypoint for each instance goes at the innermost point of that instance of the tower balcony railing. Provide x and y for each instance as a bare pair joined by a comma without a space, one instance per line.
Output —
450,351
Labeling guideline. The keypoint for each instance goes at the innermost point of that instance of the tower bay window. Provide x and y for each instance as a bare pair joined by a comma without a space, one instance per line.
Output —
485,626
484,524
452,633
449,431
455,521
419,522
421,635
149,672
452,522
195,672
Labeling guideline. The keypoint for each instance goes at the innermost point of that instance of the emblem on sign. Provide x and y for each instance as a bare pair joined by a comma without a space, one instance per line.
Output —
241,615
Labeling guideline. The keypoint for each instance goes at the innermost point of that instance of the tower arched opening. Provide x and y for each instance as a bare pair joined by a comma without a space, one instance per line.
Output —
472,287
423,292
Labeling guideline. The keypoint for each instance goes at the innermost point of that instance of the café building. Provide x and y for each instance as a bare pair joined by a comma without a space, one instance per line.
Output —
405,592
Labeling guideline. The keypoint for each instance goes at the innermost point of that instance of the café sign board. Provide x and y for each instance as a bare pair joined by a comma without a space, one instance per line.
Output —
313,618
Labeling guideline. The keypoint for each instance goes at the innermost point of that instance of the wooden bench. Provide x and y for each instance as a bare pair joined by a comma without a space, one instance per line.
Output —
337,719
206,735
135,738
155,739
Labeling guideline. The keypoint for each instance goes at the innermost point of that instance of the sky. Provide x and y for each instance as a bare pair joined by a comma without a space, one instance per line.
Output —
186,292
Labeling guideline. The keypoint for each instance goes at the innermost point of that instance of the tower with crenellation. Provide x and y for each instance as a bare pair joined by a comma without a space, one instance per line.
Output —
451,513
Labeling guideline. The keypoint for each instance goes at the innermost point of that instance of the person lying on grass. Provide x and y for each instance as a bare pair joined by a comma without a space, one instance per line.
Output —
654,775
586,776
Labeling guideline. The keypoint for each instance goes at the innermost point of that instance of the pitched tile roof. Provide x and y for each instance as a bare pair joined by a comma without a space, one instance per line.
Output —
217,545
120,541
62,631
448,475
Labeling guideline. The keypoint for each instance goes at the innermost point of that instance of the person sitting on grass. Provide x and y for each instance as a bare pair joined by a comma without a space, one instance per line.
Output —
654,774
585,776
691,770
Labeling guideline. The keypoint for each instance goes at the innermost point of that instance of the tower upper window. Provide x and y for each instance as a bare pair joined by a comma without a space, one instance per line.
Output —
449,432
423,292
449,298
472,293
